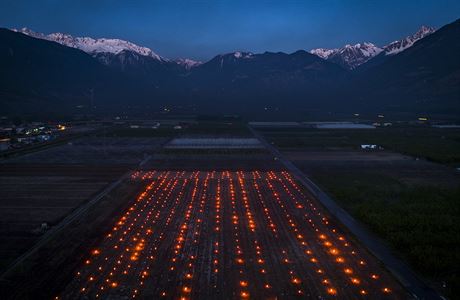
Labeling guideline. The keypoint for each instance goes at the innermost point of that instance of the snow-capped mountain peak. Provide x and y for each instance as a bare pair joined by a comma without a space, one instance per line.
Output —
93,46
401,45
351,56
188,63
366,49
323,52
239,54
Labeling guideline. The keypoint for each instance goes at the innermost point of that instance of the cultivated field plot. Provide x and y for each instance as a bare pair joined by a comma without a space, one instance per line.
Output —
212,161
34,194
385,163
45,186
214,235
435,144
412,204
96,150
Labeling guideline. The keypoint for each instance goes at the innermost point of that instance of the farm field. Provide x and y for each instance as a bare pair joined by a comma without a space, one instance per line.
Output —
195,222
96,151
440,145
43,187
211,234
35,194
411,203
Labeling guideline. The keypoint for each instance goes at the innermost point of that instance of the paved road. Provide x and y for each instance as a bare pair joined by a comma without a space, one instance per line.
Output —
375,245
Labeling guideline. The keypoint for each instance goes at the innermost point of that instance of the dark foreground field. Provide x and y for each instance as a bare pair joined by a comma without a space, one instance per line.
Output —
412,203
214,235
440,145
215,223
44,187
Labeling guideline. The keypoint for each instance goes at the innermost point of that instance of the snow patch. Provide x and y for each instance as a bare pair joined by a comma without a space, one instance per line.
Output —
188,63
93,46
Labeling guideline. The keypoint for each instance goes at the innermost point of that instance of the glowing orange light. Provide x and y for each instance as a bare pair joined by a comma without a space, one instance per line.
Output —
244,295
355,280
332,291
334,251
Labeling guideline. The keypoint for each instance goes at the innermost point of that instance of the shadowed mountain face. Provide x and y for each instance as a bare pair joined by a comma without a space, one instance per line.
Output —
145,69
258,80
273,68
424,77
42,75
39,76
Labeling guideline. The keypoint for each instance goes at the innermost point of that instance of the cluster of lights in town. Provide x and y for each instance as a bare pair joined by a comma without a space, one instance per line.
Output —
258,234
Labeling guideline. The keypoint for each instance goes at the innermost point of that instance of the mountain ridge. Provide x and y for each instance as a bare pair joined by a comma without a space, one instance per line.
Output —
352,56
417,78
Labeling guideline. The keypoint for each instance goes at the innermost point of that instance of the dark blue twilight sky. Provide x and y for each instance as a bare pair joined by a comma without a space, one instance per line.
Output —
202,29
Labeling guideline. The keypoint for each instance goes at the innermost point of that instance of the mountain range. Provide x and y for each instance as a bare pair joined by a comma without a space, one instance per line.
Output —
81,72
352,56
348,56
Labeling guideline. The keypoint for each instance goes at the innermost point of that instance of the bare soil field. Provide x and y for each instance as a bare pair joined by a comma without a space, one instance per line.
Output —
32,195
208,161
440,145
96,150
45,273
45,186
343,155
398,166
